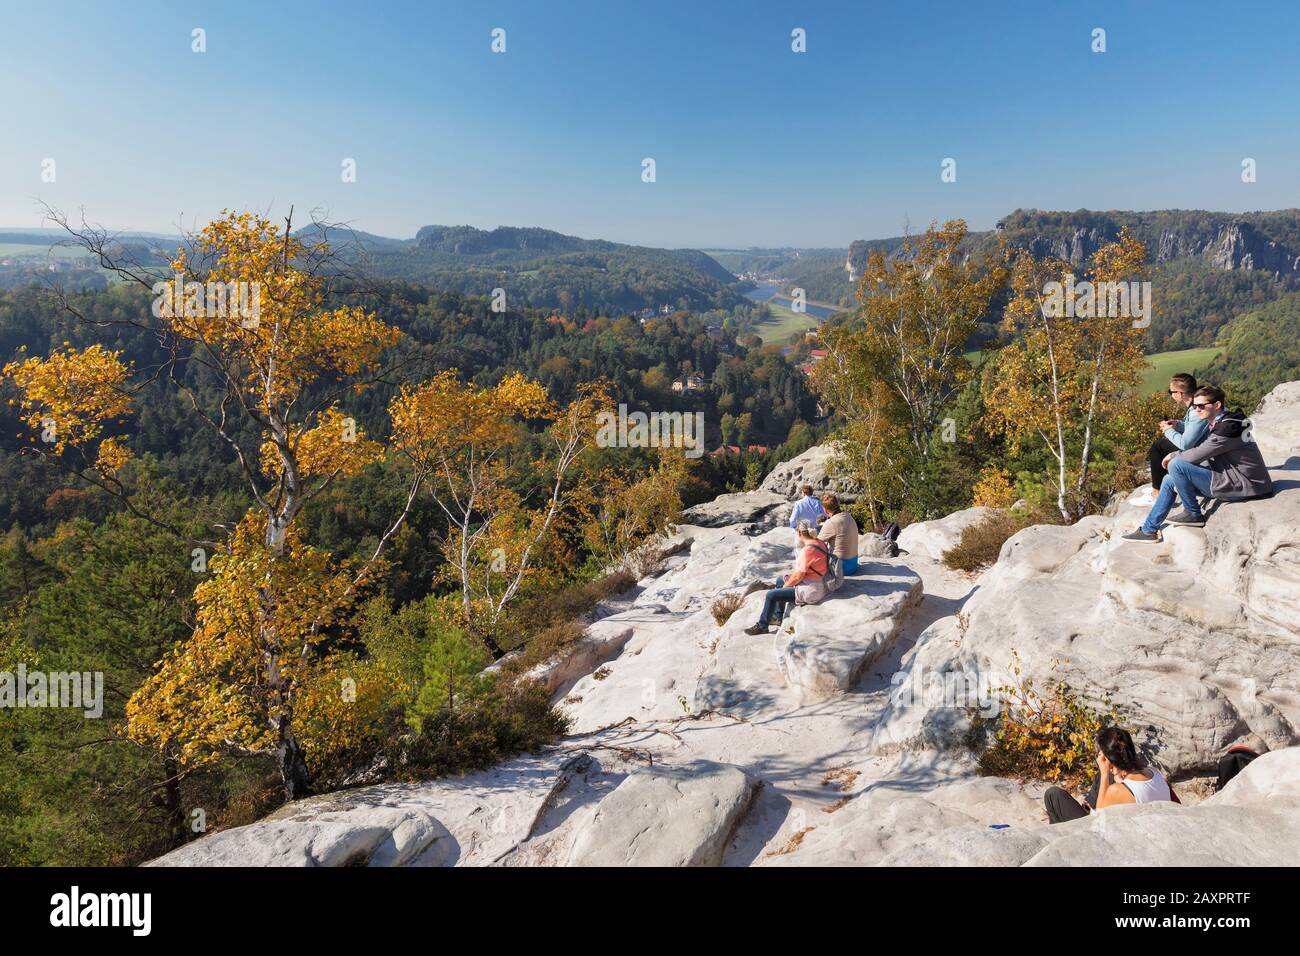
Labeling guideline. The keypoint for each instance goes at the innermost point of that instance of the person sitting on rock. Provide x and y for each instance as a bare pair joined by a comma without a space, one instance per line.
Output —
1176,434
1122,777
807,508
840,532
804,586
1226,464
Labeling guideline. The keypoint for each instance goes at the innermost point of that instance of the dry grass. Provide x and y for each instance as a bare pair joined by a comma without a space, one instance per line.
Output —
981,543
553,619
726,605
647,560
841,778
791,844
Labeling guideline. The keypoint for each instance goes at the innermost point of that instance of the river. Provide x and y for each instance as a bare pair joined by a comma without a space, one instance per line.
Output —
768,292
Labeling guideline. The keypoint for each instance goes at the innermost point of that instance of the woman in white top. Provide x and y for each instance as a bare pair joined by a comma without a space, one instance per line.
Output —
1122,777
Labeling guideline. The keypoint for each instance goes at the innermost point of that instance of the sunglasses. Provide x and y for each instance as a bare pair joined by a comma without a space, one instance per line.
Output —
1176,391
1199,405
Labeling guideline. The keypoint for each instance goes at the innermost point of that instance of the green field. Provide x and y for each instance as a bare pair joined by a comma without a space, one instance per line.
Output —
1161,365
784,323
15,249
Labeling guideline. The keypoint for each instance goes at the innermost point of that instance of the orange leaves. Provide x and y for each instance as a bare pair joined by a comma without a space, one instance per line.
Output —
69,397
294,338
444,421
334,446
216,691
994,489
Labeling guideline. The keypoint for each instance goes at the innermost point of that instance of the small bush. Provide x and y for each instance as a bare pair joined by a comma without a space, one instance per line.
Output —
1049,735
994,489
726,605
571,601
981,543
647,560
515,719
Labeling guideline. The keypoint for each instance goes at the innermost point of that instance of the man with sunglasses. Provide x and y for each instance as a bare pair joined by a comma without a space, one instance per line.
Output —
1176,434
1227,464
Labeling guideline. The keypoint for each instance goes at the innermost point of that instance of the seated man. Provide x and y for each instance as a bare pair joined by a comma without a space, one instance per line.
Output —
1176,434
840,532
805,586
806,508
1227,464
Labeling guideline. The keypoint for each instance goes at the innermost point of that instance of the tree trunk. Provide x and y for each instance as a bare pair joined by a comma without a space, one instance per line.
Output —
291,762
172,802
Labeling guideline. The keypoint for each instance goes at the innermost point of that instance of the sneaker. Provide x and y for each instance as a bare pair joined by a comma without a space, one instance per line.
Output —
757,629
1194,521
1140,535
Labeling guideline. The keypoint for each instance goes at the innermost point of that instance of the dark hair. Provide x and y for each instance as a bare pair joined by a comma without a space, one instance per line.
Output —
1184,380
1117,746
1212,393
831,502
806,489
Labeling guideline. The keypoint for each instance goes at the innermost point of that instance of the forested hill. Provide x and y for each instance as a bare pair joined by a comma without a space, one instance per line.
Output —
745,387
546,269
1207,267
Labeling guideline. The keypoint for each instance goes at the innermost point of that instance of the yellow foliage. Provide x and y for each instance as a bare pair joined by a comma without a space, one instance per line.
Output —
336,445
466,439
618,515
1065,380
112,456
344,706
294,339
994,489
71,395
1048,734
257,619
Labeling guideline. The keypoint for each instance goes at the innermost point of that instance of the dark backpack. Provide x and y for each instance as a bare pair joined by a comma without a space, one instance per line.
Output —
1233,763
890,534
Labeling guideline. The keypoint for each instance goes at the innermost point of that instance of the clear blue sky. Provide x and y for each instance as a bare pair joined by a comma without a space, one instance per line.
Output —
754,144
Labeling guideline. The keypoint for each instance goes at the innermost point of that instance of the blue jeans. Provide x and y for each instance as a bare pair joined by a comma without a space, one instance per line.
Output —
1187,481
775,604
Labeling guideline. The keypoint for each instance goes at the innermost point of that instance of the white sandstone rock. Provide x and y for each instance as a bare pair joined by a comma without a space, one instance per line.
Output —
930,539
812,467
666,816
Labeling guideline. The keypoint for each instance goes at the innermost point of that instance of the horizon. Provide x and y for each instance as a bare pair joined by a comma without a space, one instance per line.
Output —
755,145
341,227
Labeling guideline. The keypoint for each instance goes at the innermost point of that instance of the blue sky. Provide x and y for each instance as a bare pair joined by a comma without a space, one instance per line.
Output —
754,144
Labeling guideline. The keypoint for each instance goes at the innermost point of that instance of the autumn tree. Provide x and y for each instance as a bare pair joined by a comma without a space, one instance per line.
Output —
620,514
246,303
467,441
1069,375
893,368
